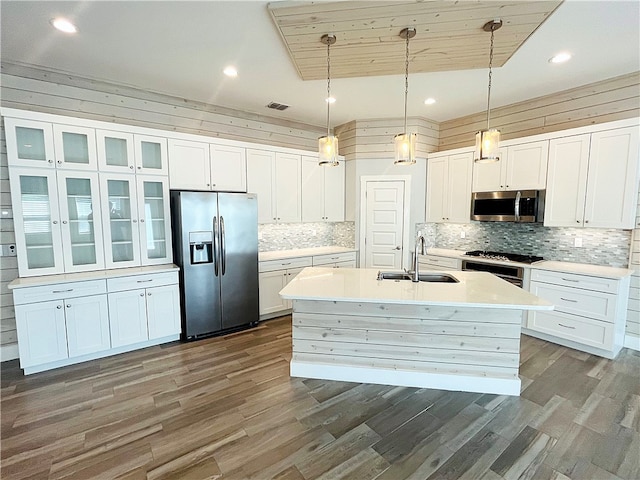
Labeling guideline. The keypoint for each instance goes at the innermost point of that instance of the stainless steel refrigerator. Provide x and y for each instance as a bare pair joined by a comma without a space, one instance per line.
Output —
215,244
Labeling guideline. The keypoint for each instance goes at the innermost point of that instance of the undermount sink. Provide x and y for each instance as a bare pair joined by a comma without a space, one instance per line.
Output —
423,277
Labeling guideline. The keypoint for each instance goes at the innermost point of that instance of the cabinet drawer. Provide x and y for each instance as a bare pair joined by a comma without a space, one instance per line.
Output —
58,291
596,305
287,263
347,264
598,284
581,330
120,284
333,258
444,262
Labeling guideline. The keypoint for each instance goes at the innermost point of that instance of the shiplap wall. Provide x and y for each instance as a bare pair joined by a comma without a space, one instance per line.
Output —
369,139
29,88
613,99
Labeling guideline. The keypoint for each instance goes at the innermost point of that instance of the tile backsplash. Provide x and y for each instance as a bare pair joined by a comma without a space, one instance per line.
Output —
599,247
286,236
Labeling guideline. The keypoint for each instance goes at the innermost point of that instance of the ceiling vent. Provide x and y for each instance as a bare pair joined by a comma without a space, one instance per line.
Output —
277,106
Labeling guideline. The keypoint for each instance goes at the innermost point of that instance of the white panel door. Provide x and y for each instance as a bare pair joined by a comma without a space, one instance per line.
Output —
567,181
189,166
270,285
384,224
288,190
612,181
42,336
228,168
87,325
163,311
261,181
436,189
128,317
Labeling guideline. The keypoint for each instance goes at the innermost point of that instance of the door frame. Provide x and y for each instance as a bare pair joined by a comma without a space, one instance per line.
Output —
362,223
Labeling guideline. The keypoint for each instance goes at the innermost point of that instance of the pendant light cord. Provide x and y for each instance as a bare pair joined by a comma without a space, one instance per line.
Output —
406,83
328,84
490,73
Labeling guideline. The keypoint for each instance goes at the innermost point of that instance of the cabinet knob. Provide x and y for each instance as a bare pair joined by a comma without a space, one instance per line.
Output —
68,305
142,294
142,220
64,222
134,220
577,221
274,218
50,161
55,222
586,221
139,168
59,162
131,167
208,184
149,294
59,307
213,184
501,186
507,186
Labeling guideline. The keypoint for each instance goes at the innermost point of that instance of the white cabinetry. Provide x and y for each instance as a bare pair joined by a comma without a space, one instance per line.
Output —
335,260
589,312
428,263
115,151
276,179
273,276
150,153
204,166
61,227
449,188
61,321
593,180
521,167
322,191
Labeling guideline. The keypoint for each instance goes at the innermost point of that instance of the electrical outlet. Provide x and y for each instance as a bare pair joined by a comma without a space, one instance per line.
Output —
8,250
6,213
577,242
462,234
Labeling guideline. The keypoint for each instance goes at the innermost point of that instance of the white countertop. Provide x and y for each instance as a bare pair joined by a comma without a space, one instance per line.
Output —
93,275
475,289
302,252
566,267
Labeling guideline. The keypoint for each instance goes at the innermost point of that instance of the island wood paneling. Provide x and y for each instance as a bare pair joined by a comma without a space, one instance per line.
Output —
633,312
415,344
613,99
369,139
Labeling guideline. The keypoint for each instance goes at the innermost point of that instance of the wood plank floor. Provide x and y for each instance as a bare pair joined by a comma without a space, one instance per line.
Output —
226,408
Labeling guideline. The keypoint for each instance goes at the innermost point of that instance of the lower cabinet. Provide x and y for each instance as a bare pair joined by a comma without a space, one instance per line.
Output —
589,312
60,324
427,263
338,260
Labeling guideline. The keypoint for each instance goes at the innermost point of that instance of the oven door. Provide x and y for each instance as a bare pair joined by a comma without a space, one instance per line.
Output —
511,274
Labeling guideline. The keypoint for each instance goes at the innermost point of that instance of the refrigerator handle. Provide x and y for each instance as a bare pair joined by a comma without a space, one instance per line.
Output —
215,245
223,249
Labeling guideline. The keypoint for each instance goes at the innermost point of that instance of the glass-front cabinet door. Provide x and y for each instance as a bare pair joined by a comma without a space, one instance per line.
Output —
29,143
155,228
81,221
121,233
115,151
75,147
151,155
37,225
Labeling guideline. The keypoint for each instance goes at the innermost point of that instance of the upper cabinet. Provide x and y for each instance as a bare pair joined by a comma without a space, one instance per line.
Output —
322,191
115,152
276,178
521,167
150,154
449,188
42,144
208,167
593,180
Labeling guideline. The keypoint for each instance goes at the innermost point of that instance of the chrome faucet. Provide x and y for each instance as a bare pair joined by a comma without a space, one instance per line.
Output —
415,276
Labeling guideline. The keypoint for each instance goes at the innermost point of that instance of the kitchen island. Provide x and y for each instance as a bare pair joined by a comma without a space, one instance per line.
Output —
463,336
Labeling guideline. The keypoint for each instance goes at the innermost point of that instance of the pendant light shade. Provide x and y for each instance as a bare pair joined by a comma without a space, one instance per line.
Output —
405,143
488,141
328,145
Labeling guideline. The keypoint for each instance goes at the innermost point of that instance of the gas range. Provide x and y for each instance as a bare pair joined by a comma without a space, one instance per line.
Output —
504,257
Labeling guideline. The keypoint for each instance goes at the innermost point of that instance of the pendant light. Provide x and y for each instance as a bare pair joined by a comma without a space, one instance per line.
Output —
488,141
328,146
405,143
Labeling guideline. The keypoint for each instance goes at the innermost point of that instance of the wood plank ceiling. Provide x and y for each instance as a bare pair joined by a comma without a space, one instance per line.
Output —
449,34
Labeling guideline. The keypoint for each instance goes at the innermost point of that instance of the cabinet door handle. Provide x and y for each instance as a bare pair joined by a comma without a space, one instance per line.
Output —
64,222
149,294
50,161
570,280
286,263
567,326
59,162
142,220
568,300
62,291
142,294
144,281
55,222
131,167
68,305
139,168
59,307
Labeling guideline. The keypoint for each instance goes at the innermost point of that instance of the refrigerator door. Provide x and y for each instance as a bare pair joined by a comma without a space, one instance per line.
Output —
195,215
238,240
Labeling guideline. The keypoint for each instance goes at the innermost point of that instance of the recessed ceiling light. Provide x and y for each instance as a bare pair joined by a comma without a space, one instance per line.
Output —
430,101
230,71
64,25
560,57
330,100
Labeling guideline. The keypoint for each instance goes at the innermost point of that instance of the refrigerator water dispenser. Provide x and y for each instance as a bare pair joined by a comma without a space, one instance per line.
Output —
201,247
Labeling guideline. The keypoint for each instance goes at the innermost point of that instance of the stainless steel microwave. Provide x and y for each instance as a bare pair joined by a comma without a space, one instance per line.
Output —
515,206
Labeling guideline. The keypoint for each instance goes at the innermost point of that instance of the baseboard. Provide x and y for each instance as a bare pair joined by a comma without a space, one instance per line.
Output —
632,342
9,352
